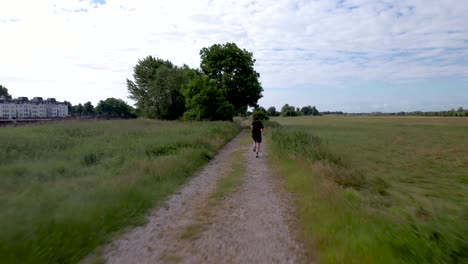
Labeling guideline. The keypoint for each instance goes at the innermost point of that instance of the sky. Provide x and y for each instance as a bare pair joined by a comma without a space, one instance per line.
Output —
346,55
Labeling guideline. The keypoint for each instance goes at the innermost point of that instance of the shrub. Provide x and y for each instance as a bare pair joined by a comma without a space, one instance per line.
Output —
260,114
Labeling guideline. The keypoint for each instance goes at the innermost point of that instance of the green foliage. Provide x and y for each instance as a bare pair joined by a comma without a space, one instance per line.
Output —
205,101
299,142
380,190
88,109
287,110
308,110
227,85
66,188
3,91
157,88
113,106
460,112
272,111
232,71
78,110
260,113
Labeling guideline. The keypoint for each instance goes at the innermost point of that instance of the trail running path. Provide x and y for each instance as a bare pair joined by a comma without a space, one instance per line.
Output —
249,226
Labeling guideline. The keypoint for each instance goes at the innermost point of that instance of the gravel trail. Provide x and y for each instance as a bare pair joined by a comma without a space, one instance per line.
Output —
250,226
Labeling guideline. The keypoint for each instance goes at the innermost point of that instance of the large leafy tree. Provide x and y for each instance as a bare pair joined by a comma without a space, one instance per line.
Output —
3,91
205,101
113,106
232,70
157,88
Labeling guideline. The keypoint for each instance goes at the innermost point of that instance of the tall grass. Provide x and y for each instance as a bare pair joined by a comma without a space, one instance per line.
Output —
364,200
66,188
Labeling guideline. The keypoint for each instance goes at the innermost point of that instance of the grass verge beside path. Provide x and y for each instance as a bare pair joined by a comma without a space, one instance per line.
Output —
66,188
377,190
236,167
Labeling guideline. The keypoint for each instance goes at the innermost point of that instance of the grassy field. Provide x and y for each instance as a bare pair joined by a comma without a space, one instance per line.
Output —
66,188
378,189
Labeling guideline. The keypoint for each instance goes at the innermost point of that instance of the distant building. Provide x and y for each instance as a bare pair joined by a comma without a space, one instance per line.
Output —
22,108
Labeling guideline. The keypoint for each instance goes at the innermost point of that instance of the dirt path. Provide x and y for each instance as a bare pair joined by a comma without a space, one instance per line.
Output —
249,226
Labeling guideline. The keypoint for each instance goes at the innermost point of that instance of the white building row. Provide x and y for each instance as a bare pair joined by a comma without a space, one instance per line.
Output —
22,108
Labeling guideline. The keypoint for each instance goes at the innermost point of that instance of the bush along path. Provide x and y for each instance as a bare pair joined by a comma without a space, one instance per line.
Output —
233,211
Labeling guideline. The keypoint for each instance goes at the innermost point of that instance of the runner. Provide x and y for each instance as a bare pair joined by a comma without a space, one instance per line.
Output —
257,130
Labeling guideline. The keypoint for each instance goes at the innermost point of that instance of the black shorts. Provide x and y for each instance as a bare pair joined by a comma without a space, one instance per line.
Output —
257,138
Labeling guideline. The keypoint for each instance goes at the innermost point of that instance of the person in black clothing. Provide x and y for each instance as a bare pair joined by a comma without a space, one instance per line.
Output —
257,130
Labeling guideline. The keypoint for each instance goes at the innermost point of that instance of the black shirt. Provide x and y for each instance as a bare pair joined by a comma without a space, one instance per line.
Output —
257,127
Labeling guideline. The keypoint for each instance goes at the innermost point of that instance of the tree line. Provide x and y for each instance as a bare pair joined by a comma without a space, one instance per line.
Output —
460,112
225,85
286,110
109,107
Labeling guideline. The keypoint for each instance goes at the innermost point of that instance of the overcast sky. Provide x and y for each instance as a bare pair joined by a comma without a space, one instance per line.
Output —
349,55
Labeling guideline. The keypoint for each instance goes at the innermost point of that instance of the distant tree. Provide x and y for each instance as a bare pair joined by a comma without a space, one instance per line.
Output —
298,111
336,113
284,109
88,109
306,110
3,91
288,110
78,110
452,112
261,113
113,106
260,108
157,88
460,109
272,111
232,71
314,111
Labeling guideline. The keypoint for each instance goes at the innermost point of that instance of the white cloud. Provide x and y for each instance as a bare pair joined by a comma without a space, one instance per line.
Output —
79,51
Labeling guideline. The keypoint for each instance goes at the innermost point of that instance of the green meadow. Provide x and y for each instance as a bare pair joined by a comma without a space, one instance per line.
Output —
377,189
67,188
